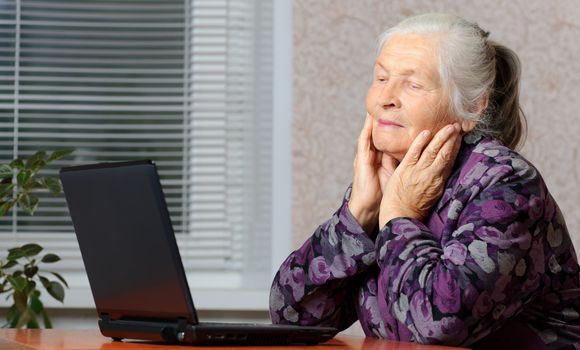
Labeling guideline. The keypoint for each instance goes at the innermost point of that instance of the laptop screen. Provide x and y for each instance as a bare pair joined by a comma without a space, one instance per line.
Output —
127,241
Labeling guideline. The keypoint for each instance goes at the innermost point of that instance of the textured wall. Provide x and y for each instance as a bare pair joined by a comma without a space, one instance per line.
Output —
334,46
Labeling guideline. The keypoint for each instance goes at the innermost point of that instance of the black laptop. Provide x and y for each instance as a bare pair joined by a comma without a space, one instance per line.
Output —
133,264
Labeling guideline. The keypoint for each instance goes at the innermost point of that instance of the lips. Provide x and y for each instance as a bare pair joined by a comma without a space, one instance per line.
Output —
385,122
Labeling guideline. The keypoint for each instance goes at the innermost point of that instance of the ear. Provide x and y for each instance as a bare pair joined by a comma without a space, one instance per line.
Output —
468,125
483,103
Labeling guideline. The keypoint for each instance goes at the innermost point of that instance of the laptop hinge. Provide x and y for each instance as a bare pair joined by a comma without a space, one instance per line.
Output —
181,323
181,332
170,331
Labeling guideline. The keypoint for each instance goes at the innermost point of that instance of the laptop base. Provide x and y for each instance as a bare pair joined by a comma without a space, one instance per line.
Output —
207,333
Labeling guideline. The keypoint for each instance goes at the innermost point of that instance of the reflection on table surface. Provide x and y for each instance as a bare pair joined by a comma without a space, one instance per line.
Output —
54,339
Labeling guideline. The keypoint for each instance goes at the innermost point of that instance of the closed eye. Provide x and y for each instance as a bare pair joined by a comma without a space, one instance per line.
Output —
415,86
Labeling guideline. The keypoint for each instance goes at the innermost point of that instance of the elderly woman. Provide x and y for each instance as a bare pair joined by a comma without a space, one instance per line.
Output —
446,235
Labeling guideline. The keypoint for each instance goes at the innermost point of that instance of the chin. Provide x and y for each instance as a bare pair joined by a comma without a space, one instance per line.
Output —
390,150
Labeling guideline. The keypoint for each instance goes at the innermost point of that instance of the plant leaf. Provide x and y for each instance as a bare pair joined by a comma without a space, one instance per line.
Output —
30,287
33,203
6,171
46,319
31,249
31,271
23,177
6,189
58,154
12,316
37,164
56,290
37,157
28,203
33,323
17,163
18,282
52,184
33,184
58,275
15,253
6,206
45,282
9,264
36,304
50,258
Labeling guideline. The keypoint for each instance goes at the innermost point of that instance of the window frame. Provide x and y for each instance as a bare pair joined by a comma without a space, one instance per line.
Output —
245,298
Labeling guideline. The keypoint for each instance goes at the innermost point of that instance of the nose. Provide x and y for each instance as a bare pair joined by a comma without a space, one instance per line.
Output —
389,96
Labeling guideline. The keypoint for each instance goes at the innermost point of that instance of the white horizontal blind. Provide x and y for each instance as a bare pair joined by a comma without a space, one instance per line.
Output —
182,82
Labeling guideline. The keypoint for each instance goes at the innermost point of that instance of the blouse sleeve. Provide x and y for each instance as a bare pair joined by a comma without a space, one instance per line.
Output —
458,289
316,284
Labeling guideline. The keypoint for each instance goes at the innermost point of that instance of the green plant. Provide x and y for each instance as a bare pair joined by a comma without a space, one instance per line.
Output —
27,181
20,274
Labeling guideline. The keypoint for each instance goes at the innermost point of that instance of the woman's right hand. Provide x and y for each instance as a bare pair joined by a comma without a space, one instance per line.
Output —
372,170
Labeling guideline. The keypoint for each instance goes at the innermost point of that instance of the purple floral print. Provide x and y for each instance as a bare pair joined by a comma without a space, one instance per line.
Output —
494,257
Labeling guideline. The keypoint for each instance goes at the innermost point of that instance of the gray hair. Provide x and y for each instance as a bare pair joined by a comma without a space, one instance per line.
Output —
472,69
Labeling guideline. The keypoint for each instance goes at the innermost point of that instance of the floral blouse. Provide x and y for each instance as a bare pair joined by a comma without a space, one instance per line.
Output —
492,264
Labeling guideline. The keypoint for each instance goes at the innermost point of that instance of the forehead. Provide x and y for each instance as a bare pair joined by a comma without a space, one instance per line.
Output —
410,54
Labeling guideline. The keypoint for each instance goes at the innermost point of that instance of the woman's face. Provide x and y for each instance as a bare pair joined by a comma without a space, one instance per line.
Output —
406,96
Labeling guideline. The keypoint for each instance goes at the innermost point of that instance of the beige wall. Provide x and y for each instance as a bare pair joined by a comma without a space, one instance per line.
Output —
334,45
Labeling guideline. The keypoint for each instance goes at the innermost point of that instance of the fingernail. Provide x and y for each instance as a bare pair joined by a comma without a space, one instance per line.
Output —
450,129
424,133
457,126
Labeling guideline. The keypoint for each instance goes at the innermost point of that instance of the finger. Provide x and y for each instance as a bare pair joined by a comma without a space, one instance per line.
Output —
386,169
379,159
365,135
389,164
414,153
447,155
439,140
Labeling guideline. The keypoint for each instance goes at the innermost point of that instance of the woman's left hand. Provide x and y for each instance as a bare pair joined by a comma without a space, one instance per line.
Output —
418,181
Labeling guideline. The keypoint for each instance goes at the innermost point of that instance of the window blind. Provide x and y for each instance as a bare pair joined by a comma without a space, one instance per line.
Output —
185,83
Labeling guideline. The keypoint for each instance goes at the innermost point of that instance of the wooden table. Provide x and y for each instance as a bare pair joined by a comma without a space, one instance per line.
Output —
53,339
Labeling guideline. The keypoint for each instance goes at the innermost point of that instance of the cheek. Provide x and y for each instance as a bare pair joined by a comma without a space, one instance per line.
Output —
374,137
371,99
427,116
380,141
413,135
